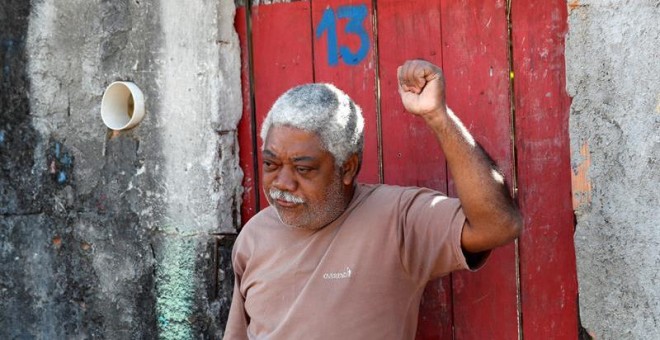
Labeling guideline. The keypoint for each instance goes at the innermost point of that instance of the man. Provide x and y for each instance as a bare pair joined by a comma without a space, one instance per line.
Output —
333,259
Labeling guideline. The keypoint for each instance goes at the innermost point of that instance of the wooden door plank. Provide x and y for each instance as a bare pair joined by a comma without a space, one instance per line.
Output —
547,253
475,52
281,37
341,24
411,154
245,126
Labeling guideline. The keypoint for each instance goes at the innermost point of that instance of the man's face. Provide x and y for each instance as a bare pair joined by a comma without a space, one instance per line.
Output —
300,178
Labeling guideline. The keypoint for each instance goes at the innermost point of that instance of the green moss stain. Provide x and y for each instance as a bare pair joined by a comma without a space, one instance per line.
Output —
175,288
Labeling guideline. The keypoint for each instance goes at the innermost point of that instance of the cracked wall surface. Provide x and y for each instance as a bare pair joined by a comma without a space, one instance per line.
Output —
613,75
117,234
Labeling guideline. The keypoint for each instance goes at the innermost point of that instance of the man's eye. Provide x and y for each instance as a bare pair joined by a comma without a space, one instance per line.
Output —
303,170
269,165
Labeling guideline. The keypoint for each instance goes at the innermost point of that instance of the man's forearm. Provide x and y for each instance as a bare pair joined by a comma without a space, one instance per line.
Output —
493,218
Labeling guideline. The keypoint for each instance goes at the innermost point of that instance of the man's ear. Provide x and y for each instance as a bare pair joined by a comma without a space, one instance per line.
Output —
350,169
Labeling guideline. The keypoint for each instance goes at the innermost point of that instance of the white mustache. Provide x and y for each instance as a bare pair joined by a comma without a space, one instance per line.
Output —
277,194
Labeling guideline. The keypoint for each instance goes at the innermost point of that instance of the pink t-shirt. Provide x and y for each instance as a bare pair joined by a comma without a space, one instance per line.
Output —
360,277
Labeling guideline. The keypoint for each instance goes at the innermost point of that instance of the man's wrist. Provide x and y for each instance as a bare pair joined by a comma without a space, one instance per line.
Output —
437,117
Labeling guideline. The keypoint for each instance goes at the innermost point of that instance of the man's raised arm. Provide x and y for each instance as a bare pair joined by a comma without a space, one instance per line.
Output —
492,217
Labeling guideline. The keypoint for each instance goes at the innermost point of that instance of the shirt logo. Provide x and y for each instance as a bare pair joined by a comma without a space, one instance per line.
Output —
346,274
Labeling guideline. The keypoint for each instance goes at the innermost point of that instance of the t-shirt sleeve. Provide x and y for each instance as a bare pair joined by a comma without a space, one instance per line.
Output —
430,234
238,320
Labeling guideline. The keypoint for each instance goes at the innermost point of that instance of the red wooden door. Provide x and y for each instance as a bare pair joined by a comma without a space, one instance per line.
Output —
527,289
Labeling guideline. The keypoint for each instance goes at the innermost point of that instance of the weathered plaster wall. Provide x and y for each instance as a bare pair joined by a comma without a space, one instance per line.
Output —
117,234
613,75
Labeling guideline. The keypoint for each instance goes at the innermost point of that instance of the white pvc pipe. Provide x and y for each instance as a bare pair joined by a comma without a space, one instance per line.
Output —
122,106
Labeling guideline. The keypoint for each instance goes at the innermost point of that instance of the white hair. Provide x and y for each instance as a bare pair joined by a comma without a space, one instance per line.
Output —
325,110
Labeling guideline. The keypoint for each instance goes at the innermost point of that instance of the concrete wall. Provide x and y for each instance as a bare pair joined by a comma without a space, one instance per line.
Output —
117,234
613,75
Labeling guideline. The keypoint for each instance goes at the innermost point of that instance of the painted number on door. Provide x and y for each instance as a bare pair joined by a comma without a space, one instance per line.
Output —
356,15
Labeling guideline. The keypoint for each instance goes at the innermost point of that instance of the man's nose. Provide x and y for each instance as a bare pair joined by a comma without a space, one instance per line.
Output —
285,180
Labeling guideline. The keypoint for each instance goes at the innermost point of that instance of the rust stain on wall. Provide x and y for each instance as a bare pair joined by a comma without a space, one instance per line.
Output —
581,186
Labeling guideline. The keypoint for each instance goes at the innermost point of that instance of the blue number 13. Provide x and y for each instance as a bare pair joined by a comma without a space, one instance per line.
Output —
356,16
